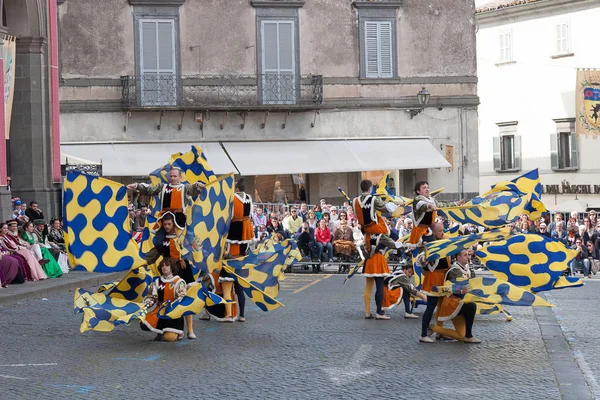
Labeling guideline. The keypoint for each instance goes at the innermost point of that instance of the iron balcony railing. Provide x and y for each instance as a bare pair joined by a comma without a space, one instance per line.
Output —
222,91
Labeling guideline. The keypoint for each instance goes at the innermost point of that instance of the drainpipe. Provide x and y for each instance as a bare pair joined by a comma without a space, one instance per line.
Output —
55,107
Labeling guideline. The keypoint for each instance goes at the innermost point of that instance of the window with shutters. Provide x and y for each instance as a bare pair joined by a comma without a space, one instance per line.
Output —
562,44
507,149
378,49
158,73
506,48
279,83
564,151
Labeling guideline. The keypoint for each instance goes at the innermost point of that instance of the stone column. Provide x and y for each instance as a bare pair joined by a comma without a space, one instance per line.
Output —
30,138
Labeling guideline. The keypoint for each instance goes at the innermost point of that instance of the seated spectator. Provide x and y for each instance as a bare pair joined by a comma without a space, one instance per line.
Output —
29,265
312,219
34,212
572,236
328,222
19,212
292,223
132,217
592,217
303,213
261,234
10,272
306,241
336,225
275,228
56,234
318,212
406,229
524,227
400,222
334,213
543,230
350,214
343,242
593,257
139,222
559,234
557,218
259,218
33,236
323,241
581,260
588,230
574,219
393,232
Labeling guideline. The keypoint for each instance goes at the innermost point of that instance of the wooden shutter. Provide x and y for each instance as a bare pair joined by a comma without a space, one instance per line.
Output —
371,46
379,51
574,151
278,62
517,151
158,80
385,50
554,151
497,158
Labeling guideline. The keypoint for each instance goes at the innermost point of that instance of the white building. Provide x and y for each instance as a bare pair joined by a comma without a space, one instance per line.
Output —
528,56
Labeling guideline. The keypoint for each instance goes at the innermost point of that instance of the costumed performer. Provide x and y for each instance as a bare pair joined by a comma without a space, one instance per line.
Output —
376,270
398,288
434,275
424,211
239,237
167,287
452,307
33,236
173,195
165,245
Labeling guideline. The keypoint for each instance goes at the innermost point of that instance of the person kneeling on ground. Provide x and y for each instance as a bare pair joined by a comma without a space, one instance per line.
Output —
400,282
167,287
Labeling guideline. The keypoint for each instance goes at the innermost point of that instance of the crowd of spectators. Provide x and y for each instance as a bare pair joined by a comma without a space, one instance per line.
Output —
30,248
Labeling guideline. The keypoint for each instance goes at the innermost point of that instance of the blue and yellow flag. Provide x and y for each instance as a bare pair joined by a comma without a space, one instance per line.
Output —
490,290
103,313
503,204
452,246
529,261
208,221
259,272
194,301
383,191
97,224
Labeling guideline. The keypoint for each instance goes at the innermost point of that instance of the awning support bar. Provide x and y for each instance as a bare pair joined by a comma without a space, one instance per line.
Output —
230,159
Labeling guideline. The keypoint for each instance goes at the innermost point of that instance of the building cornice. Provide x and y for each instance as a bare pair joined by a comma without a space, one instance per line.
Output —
377,3
156,2
528,9
508,123
278,3
31,44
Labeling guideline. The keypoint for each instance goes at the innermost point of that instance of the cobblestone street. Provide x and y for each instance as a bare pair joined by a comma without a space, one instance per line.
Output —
318,346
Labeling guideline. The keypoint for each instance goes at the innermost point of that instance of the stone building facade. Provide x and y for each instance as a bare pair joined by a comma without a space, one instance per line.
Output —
321,90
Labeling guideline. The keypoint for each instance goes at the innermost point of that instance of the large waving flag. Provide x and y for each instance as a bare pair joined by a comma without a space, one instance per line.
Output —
208,221
490,290
259,272
503,204
97,224
449,247
194,301
383,191
530,261
103,313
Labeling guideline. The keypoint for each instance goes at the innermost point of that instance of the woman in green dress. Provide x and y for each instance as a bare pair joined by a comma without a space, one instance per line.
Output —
51,268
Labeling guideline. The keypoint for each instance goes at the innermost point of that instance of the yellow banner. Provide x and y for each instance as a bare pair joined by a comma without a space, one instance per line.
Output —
587,103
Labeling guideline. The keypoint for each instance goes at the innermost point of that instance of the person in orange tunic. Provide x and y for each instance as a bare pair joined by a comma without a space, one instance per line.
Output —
167,287
368,209
165,246
240,235
435,274
173,196
452,307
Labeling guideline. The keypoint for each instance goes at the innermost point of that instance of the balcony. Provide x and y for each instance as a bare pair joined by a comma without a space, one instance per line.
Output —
222,92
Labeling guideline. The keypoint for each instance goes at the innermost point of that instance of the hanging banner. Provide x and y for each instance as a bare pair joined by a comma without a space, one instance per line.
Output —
588,103
9,52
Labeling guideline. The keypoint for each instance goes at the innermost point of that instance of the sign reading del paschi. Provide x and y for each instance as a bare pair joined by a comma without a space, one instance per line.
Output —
565,188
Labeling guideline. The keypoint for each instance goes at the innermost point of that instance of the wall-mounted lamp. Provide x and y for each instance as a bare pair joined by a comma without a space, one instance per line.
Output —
423,98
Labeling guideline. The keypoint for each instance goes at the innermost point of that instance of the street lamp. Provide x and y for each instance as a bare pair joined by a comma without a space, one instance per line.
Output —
423,98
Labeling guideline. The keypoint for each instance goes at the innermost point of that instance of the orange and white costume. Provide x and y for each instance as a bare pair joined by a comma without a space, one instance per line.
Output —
240,231
164,289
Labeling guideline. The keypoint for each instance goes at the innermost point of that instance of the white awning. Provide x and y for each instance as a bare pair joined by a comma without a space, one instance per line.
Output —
140,159
334,155
569,206
69,159
267,157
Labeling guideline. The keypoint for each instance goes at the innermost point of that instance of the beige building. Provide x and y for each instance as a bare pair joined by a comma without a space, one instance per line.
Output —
305,93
